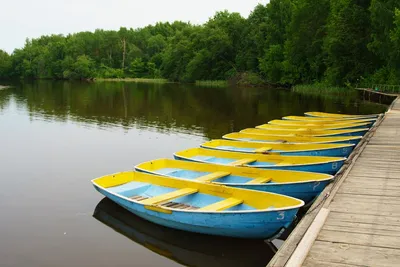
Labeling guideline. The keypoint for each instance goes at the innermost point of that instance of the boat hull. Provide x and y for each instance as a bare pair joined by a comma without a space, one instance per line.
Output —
255,225
325,167
330,152
304,191
338,115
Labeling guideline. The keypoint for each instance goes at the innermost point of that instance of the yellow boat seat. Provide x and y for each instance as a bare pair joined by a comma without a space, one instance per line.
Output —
212,176
260,180
222,205
242,162
169,196
262,149
283,163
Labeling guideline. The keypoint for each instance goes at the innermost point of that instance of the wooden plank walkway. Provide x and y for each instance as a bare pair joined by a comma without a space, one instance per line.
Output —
363,225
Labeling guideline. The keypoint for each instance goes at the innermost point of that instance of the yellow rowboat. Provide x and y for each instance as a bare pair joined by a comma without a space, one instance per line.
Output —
336,115
325,150
327,120
311,127
328,165
292,139
200,207
303,185
305,132
322,124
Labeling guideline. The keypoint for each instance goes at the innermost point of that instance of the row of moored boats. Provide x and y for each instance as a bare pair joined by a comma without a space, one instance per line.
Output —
249,184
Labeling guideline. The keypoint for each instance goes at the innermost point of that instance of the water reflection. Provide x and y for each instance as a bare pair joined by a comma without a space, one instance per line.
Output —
183,247
211,112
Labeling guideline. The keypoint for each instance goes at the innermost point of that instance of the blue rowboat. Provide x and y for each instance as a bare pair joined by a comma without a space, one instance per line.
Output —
307,132
324,150
287,139
343,116
329,165
200,207
188,249
302,185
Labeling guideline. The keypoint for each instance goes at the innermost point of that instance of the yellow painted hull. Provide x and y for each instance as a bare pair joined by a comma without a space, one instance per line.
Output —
322,124
328,120
291,139
287,125
307,132
337,115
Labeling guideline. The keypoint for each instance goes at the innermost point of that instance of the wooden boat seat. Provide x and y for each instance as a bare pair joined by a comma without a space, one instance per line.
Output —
282,141
181,206
222,205
242,162
212,176
260,180
262,149
168,196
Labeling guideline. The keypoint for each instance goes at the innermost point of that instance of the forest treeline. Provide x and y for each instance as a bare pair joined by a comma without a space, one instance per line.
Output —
335,42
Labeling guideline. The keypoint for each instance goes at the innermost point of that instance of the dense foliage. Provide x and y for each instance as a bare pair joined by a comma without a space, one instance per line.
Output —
335,42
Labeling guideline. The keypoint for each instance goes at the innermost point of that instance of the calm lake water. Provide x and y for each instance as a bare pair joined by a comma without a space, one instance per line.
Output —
57,136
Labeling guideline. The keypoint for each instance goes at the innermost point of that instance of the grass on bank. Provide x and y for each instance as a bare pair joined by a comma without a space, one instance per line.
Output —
318,89
209,83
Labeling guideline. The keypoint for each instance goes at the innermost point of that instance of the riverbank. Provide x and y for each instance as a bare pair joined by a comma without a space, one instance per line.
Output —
137,80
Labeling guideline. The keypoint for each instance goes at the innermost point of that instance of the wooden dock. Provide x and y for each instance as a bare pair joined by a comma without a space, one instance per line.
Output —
362,227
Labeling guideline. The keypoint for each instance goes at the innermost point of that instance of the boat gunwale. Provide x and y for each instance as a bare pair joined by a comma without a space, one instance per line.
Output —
331,177
302,133
356,137
283,127
269,166
301,204
286,151
328,120
308,113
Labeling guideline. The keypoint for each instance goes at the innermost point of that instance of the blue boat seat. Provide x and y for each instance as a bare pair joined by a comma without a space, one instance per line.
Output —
169,196
212,176
222,205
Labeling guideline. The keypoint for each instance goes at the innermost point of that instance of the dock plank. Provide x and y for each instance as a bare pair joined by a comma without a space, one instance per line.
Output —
363,226
359,255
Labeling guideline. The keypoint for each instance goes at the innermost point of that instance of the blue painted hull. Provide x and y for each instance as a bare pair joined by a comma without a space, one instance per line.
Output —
256,225
358,133
355,142
304,191
329,167
331,152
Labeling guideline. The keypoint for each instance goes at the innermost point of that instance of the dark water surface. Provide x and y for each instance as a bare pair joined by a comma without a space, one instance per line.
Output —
57,136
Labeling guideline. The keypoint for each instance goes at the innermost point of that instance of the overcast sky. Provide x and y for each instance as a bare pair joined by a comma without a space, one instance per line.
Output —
20,19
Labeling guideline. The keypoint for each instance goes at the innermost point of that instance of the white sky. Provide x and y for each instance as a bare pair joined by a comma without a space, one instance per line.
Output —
21,19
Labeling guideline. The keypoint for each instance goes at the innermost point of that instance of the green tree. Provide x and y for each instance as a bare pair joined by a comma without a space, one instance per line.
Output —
5,65
304,58
83,67
348,34
138,68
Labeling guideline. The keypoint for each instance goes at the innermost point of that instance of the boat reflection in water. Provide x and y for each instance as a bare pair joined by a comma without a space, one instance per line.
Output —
186,248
